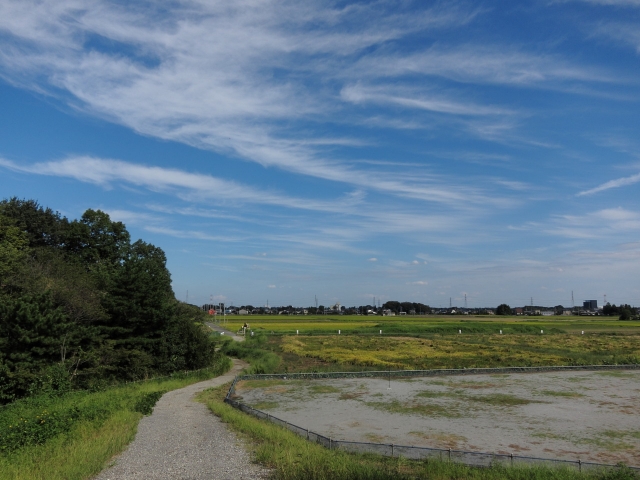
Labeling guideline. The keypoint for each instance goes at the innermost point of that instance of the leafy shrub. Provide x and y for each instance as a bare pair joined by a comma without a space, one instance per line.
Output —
147,401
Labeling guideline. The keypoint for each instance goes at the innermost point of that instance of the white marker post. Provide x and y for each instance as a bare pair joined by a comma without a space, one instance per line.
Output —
338,332
380,332
459,331
296,332
500,332
541,331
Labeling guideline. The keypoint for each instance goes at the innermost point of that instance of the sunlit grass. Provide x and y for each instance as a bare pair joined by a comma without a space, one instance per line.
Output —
84,448
466,351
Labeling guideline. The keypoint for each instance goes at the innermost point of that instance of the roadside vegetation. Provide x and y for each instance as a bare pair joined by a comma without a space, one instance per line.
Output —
73,435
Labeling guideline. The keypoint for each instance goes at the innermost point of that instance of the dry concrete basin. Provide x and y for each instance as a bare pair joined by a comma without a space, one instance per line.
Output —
571,415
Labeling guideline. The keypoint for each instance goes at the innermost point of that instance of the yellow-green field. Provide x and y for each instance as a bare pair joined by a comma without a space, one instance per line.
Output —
466,351
425,325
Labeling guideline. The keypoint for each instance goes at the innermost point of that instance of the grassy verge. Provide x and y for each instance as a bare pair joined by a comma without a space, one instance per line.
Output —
74,435
292,457
257,351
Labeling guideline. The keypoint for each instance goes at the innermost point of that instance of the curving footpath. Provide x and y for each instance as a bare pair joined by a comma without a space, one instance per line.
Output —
183,440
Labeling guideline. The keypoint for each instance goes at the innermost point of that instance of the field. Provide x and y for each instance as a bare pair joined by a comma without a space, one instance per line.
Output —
436,342
465,351
426,324
560,416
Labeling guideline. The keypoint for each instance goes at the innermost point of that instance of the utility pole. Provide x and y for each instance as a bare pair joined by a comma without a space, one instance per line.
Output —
465,301
449,302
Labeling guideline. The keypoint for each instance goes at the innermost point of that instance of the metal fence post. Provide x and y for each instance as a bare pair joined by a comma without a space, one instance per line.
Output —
307,434
579,465
449,453
512,459
392,449
329,443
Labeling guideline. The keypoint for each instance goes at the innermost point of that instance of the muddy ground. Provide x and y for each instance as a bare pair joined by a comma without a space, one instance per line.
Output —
591,416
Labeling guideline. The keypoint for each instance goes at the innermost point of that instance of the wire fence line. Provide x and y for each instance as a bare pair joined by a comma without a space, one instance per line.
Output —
476,459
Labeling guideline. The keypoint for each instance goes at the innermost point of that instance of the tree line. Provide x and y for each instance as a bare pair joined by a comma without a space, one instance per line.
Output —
81,305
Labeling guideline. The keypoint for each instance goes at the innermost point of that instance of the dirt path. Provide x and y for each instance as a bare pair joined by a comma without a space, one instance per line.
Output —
224,331
182,439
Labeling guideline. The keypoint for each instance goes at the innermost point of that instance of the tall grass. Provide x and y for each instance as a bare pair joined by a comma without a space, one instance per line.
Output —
72,436
292,457
256,351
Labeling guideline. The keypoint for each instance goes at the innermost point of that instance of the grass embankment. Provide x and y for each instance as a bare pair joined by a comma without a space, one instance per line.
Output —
72,436
292,457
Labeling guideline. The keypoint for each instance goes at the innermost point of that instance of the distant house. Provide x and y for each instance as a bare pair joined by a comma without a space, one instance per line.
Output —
243,311
518,311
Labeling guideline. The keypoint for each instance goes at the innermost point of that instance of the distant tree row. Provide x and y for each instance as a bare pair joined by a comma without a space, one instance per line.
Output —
624,312
80,304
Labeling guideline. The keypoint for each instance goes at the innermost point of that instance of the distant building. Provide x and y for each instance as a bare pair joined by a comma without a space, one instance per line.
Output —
591,305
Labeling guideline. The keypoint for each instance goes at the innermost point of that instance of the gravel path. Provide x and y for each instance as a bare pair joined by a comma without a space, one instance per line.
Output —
182,439
224,331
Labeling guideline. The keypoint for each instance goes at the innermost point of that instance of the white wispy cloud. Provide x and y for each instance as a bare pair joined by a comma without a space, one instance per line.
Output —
607,222
617,183
105,172
385,95
232,77
483,64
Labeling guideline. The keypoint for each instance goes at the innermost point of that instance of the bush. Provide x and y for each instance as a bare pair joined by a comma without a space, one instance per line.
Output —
147,401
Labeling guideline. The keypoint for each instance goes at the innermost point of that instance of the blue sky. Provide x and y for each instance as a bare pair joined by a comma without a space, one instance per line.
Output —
278,150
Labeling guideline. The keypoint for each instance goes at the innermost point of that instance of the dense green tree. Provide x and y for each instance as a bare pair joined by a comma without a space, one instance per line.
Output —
32,337
42,226
503,309
14,246
80,304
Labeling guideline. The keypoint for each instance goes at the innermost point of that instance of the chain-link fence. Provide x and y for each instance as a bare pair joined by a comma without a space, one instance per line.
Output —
477,459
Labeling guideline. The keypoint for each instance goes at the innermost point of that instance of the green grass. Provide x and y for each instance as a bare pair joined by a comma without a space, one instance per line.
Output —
557,393
500,400
291,457
73,436
415,408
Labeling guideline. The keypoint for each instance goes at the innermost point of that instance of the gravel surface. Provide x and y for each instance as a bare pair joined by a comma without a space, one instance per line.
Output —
592,416
182,439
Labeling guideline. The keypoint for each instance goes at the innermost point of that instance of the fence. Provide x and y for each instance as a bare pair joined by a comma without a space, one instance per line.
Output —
476,459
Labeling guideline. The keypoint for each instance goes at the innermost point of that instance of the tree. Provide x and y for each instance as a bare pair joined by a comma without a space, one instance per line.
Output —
42,226
14,246
32,337
503,309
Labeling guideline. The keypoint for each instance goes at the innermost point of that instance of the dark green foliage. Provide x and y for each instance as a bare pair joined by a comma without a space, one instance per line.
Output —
503,309
30,331
81,296
147,401
42,226
406,307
